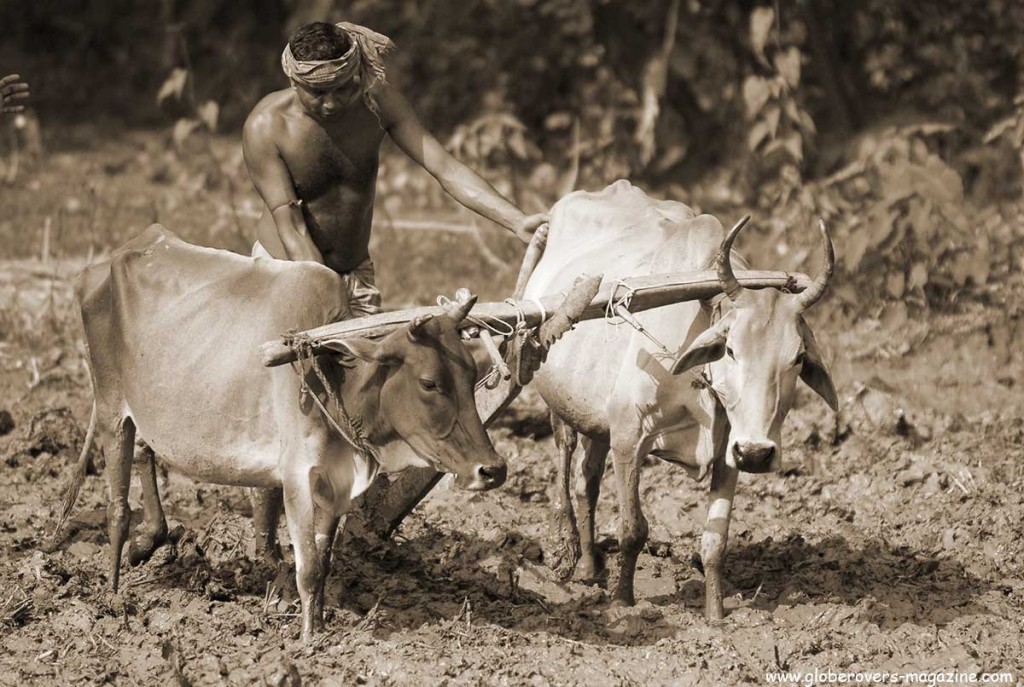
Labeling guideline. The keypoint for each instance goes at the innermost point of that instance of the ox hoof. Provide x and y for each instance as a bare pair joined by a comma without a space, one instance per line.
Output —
282,591
142,547
624,596
563,560
591,570
714,615
269,558
714,609
623,601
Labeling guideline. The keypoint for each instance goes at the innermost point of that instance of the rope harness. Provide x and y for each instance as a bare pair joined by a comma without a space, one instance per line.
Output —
502,329
790,285
351,429
617,312
521,316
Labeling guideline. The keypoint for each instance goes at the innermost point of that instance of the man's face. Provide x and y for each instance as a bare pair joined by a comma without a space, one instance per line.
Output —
326,102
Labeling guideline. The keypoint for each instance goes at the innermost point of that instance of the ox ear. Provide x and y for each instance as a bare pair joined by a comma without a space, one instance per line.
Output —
360,349
706,348
815,372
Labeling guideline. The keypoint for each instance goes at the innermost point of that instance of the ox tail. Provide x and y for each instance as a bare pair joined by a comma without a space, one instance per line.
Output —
68,504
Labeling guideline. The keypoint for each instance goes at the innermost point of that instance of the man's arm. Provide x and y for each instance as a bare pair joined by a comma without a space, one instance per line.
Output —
461,182
270,176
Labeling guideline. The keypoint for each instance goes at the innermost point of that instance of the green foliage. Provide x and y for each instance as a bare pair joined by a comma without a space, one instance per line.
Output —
903,229
912,225
780,129
959,60
493,140
1010,127
202,117
1010,131
584,58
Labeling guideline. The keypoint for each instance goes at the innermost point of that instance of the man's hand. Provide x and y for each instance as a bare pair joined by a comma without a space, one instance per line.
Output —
12,88
528,225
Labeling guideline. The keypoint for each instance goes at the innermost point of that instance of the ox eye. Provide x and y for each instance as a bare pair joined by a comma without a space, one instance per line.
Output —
728,352
799,360
428,384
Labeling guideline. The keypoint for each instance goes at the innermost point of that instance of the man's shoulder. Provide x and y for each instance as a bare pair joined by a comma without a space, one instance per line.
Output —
392,104
268,114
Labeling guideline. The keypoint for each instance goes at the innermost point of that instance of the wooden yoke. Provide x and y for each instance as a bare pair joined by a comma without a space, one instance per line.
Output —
653,291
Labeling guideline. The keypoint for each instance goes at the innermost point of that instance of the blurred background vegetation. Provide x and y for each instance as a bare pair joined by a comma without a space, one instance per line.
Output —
900,123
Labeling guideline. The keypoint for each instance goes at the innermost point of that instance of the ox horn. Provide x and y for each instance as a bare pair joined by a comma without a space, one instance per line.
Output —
813,293
416,327
461,308
726,278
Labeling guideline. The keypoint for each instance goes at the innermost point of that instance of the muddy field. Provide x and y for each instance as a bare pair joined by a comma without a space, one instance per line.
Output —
893,541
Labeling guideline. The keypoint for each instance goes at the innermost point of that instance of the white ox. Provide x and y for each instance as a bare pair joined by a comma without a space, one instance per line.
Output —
716,402
173,334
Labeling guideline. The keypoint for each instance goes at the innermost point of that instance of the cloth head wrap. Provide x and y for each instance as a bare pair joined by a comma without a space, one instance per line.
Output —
364,57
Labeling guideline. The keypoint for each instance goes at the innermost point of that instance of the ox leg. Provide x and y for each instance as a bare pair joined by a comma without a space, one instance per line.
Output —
309,575
326,532
632,523
119,474
266,513
595,456
716,536
153,532
567,536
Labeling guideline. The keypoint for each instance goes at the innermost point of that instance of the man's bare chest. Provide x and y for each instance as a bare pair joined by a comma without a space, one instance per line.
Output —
320,159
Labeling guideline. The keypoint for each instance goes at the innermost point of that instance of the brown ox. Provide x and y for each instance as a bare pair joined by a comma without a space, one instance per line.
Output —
173,334
717,402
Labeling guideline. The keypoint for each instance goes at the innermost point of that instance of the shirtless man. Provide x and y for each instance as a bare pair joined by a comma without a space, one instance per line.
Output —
313,152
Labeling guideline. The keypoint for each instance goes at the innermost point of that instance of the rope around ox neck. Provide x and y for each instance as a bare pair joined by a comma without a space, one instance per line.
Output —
352,432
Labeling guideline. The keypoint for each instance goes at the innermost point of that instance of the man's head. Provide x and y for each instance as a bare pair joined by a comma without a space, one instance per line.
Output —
332,66
322,62
319,41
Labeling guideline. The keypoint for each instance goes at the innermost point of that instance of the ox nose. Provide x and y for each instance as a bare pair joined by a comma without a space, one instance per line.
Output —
754,456
489,476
